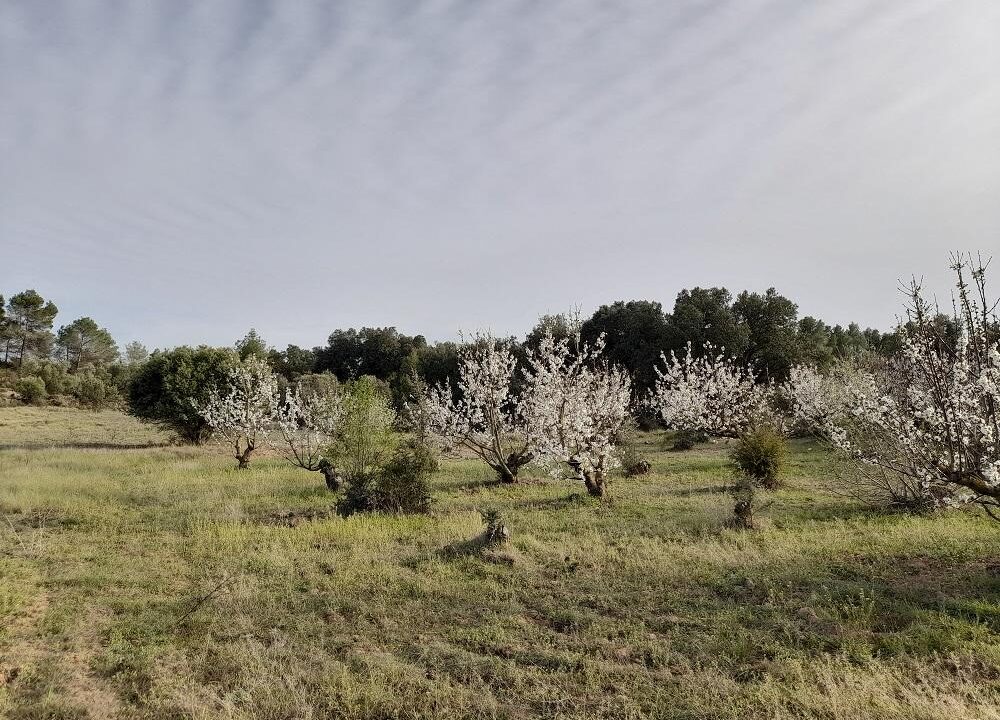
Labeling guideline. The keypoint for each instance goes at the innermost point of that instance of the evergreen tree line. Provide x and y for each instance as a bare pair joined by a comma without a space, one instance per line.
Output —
762,330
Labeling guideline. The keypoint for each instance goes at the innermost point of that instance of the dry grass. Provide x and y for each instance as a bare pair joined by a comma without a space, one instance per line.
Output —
640,607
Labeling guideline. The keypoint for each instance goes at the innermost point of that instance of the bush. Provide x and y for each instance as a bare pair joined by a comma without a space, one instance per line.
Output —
95,392
400,486
633,463
365,437
382,474
687,439
31,389
166,387
8,378
759,456
57,379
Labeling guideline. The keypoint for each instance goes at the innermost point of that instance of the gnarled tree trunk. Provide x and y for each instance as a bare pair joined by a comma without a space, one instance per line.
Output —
243,458
507,471
593,480
330,475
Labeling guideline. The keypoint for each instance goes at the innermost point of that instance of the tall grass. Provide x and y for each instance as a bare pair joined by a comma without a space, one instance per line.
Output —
159,582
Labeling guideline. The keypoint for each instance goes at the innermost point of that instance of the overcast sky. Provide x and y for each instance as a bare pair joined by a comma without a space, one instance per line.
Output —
182,171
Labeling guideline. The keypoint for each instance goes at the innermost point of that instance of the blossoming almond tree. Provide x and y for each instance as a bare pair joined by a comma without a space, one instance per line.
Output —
708,393
483,417
307,421
242,416
575,407
930,418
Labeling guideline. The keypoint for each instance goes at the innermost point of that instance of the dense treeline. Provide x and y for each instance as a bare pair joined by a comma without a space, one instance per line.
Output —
81,361
759,329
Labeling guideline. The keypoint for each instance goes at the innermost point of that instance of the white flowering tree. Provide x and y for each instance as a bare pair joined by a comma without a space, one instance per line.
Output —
823,401
928,420
242,415
575,408
482,416
709,393
307,421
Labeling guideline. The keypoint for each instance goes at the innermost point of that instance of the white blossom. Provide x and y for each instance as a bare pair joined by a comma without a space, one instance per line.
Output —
307,421
709,393
575,408
928,419
483,415
242,416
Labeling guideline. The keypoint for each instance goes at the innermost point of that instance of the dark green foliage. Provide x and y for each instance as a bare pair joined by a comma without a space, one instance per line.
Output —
162,389
687,439
379,352
96,390
83,343
770,322
760,455
253,345
438,363
320,384
635,333
292,362
401,485
27,327
560,326
813,340
705,315
31,389
382,353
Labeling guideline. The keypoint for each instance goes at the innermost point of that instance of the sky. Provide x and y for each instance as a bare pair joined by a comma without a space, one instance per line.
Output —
184,170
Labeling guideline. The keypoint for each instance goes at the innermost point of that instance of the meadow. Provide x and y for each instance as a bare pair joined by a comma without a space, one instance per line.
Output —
140,579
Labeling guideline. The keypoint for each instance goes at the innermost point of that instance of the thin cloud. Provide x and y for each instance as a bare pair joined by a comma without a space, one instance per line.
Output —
183,170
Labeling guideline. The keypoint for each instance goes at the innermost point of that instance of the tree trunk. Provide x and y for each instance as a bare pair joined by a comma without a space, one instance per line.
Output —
243,458
594,481
506,474
330,475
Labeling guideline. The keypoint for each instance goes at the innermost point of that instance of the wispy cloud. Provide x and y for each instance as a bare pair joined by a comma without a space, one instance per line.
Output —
185,169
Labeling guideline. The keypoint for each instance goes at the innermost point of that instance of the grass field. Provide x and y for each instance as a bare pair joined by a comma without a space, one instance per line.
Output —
139,579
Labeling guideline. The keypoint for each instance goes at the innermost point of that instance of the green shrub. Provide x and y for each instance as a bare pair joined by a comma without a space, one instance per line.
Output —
31,389
57,379
382,473
760,455
166,387
495,530
96,392
366,436
687,439
633,463
8,378
400,486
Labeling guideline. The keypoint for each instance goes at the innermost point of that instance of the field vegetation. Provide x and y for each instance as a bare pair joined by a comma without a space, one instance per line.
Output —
570,526
139,579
